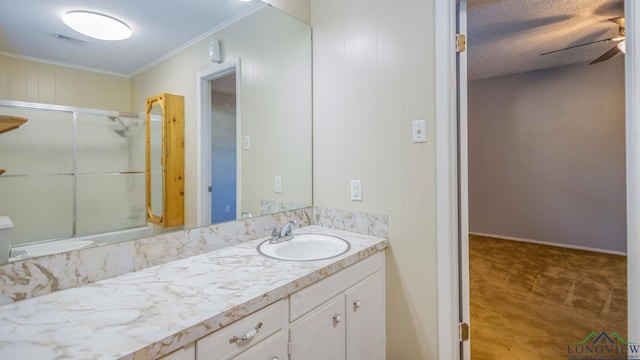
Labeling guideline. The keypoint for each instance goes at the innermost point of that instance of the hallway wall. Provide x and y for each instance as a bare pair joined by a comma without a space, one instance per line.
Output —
547,156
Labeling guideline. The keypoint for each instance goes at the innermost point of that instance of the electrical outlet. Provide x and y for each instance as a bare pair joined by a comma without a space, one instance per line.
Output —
278,184
356,190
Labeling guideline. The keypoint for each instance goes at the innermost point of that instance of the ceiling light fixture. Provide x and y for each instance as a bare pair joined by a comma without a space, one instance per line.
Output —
96,25
622,46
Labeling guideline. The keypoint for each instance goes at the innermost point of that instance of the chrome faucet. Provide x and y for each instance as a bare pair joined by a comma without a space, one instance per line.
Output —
280,234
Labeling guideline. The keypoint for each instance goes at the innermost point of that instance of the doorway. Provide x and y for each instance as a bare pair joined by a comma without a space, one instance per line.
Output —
223,148
219,161
546,165
449,205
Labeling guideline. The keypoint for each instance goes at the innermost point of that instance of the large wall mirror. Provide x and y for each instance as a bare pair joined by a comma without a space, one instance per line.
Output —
271,54
255,120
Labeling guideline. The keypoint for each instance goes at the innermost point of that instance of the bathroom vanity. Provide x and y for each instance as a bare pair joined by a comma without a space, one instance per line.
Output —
228,303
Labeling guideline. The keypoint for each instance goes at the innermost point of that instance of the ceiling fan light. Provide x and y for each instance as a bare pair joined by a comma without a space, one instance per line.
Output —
622,46
96,25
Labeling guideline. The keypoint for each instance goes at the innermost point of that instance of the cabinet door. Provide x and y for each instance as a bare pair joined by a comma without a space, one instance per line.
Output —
320,334
365,319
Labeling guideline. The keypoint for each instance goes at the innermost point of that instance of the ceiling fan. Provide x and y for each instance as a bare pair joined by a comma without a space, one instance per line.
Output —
620,46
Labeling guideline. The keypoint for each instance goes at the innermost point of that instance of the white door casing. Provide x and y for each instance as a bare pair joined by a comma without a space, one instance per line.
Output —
463,181
632,88
446,180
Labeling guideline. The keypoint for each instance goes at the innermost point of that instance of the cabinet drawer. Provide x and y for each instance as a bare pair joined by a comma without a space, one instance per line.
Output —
227,342
275,347
314,295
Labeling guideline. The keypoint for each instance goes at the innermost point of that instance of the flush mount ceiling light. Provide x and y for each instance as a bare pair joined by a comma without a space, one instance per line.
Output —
96,25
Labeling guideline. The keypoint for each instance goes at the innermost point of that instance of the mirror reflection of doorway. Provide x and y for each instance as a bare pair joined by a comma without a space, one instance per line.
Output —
223,187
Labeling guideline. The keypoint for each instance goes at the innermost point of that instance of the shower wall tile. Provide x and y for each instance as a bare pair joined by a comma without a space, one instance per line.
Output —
28,278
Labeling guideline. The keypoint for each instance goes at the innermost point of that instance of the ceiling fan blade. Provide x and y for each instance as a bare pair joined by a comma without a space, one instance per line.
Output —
575,46
606,56
618,20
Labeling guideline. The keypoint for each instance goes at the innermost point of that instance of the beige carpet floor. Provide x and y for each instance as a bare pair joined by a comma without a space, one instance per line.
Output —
531,301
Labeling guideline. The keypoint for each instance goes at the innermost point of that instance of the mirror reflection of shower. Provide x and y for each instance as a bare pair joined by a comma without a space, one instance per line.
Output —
87,175
130,133
124,130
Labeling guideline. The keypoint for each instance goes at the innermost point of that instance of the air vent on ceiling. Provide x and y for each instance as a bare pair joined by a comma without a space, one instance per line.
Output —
69,38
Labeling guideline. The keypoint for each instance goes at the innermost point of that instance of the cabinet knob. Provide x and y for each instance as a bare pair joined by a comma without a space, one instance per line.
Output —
337,318
357,304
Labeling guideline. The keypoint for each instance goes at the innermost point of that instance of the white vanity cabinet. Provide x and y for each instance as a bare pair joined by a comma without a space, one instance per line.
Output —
341,317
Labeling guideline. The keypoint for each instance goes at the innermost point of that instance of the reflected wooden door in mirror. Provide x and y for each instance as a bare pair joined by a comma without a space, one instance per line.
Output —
165,160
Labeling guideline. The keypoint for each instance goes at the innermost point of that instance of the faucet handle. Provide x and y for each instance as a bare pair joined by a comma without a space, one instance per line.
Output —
275,230
286,229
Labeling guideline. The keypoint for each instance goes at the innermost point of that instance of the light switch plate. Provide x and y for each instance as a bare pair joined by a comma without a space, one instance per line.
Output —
247,142
419,131
356,190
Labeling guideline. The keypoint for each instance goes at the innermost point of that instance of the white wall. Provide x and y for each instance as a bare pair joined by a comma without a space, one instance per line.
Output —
373,74
547,156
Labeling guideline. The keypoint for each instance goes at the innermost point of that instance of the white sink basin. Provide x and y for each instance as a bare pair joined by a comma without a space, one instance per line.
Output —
305,247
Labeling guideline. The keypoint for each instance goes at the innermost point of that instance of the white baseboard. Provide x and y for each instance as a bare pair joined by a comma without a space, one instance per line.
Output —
551,244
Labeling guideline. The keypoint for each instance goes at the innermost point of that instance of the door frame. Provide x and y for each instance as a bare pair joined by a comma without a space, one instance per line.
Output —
203,173
447,233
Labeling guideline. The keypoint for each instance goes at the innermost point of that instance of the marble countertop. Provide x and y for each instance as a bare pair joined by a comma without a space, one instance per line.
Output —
150,313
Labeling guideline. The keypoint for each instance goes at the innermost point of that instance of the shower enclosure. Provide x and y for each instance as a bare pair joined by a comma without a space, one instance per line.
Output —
71,172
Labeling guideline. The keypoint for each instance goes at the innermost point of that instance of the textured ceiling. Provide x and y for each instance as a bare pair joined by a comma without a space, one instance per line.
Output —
508,36
27,29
